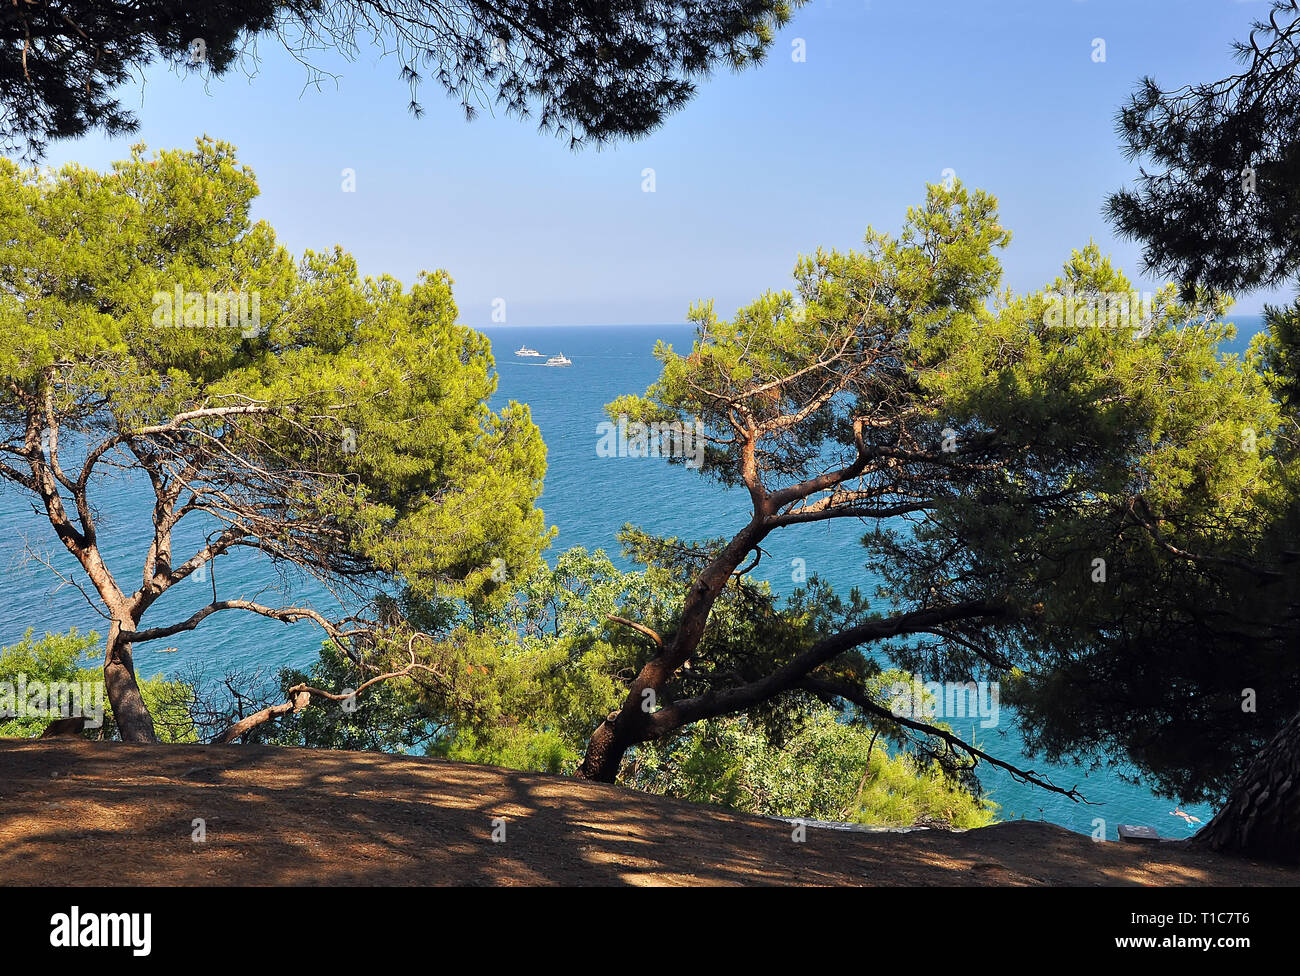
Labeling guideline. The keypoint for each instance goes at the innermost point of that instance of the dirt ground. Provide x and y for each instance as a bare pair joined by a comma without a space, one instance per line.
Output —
83,813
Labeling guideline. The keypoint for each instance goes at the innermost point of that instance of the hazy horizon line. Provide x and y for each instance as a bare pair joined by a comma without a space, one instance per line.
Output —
658,325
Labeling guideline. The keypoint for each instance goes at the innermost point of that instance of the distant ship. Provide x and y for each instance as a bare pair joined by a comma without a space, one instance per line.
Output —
525,351
560,360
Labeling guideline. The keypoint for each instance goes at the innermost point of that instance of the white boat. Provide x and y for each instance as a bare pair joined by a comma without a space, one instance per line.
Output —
525,351
560,360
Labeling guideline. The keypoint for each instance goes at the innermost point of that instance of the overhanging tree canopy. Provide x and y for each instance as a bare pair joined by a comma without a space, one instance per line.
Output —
1220,205
590,69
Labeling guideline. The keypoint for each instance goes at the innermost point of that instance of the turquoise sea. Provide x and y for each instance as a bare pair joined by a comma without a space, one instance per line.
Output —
588,498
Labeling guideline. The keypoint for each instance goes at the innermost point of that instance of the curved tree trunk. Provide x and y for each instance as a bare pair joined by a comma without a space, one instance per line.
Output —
628,726
1262,815
605,751
623,729
129,710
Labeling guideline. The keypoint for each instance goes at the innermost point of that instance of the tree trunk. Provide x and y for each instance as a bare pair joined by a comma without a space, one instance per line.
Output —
129,711
605,751
625,728
1262,815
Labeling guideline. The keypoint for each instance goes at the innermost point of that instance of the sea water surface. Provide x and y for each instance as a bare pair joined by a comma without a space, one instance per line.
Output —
588,498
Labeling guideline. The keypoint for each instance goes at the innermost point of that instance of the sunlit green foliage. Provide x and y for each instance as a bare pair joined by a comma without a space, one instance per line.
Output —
827,769
337,424
1022,442
70,658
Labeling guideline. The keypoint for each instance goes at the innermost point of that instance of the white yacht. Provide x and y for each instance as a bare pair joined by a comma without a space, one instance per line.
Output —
525,351
560,360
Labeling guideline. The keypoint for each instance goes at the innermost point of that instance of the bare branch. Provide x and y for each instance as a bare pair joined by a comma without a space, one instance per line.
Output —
639,628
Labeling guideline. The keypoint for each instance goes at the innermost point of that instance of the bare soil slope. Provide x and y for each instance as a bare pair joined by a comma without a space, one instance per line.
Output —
77,812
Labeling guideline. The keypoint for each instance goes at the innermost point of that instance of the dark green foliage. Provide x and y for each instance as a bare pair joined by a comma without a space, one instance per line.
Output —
1193,674
60,62
1220,205
588,70
1198,670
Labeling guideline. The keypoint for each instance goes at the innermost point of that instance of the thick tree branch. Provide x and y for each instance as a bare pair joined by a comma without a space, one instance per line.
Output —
714,703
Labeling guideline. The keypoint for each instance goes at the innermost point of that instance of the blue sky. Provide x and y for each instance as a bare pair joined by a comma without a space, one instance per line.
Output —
760,167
